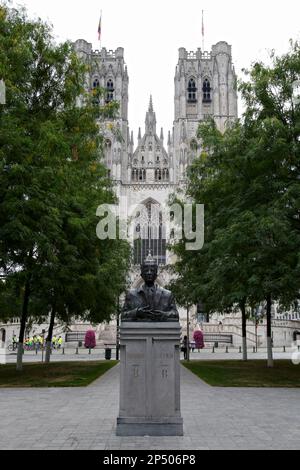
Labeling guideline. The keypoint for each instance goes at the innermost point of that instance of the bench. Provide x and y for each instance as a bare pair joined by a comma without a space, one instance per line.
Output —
217,339
75,338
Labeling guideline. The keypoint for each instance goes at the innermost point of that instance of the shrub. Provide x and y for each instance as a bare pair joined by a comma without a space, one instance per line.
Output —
90,340
199,339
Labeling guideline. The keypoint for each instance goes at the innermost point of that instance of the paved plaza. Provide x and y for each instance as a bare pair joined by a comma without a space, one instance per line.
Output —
85,418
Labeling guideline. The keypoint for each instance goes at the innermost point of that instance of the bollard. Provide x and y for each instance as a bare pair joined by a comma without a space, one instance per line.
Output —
240,350
90,351
284,349
213,350
63,351
77,352
254,350
227,350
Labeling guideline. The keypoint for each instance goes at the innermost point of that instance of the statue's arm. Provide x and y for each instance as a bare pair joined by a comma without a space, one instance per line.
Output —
170,312
129,312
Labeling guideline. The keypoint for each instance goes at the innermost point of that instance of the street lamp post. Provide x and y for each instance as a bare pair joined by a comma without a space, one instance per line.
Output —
118,333
188,334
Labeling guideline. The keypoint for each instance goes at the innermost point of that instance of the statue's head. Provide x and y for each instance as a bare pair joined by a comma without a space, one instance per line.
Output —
149,270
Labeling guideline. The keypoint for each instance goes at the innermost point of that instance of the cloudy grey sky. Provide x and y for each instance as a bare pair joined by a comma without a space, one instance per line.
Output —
151,32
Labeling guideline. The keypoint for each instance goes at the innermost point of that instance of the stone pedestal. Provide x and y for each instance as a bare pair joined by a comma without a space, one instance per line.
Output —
150,380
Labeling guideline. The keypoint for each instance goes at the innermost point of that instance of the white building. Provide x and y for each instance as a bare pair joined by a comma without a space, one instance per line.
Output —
148,173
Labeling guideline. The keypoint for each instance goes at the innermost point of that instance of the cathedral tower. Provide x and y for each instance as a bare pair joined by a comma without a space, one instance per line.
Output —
205,86
107,70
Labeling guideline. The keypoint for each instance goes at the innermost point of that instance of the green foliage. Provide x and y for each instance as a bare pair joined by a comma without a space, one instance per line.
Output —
248,179
52,180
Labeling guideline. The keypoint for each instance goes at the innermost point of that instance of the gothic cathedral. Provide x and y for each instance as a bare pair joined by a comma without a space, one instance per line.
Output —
147,174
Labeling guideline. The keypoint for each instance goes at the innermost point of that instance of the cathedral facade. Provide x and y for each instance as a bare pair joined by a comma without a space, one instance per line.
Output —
155,168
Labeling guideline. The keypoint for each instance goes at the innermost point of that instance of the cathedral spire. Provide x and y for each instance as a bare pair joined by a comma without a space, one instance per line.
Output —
150,119
151,105
162,135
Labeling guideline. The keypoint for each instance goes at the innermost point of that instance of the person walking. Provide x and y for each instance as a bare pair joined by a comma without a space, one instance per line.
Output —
185,347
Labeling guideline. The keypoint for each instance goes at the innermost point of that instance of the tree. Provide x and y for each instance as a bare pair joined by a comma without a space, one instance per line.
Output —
52,180
247,179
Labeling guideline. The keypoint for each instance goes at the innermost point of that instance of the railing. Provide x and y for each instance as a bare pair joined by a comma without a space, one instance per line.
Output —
75,337
217,338
231,330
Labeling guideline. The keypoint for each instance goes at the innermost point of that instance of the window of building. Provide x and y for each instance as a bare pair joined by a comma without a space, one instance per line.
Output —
162,175
206,91
96,88
194,145
192,91
138,175
110,91
151,235
96,83
158,175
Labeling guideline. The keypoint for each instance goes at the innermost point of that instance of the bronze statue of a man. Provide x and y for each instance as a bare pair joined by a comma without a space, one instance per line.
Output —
150,303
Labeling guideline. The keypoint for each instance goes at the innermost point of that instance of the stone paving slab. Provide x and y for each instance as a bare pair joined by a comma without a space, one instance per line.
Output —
85,418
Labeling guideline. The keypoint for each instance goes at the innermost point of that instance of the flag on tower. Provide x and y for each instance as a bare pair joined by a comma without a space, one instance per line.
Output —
99,27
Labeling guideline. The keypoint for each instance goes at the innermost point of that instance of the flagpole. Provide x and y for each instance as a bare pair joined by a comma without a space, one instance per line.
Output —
203,32
100,30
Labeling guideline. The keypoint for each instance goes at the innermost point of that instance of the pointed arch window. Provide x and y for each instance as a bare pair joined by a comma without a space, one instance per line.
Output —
206,91
96,83
138,175
96,88
110,91
150,234
192,91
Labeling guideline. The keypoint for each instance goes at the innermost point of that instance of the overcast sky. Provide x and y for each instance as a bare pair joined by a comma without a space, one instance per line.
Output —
152,31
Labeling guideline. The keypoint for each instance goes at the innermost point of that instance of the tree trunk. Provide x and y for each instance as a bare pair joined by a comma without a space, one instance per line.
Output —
23,326
244,329
269,331
49,337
